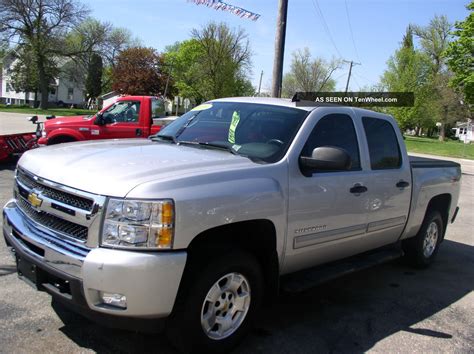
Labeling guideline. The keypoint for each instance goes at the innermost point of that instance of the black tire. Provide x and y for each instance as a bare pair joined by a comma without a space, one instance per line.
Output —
419,250
184,327
61,139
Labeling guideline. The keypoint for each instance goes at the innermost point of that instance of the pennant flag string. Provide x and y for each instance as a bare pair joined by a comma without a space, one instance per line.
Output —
223,6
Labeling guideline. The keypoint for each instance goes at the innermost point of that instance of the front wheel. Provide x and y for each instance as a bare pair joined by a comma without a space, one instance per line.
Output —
422,249
217,307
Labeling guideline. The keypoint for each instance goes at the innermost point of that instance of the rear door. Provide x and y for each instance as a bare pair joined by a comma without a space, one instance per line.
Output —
390,182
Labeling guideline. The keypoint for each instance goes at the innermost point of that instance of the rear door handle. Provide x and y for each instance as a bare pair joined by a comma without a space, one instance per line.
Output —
402,184
357,189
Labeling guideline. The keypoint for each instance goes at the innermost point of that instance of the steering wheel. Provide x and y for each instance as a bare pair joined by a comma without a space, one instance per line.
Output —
275,142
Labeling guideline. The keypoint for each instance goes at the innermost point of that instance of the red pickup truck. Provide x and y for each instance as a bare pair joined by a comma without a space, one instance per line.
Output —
128,117
12,145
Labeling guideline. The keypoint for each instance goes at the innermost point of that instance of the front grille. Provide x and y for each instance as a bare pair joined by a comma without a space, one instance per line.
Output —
52,222
60,196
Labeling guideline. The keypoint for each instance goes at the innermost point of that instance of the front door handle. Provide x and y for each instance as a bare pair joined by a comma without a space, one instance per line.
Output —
138,132
402,184
357,189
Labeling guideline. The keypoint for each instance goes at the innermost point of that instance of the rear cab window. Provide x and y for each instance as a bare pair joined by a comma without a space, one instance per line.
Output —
383,145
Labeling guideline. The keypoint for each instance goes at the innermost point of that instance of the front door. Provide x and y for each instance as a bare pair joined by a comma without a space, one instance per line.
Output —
327,211
121,121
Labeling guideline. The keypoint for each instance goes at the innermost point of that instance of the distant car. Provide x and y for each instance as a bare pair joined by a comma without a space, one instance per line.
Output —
128,117
163,122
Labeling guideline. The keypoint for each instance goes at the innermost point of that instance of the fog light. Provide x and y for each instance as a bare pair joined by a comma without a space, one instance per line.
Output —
116,300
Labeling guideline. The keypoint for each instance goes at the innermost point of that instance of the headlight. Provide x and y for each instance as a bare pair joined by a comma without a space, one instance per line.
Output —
138,224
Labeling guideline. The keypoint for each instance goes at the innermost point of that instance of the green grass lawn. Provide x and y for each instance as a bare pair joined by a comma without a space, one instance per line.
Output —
58,112
434,147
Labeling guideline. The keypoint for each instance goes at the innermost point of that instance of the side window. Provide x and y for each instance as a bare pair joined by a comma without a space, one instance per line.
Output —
157,109
383,144
335,130
123,111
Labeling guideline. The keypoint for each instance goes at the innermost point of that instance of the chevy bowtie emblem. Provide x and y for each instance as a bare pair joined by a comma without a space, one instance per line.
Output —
34,200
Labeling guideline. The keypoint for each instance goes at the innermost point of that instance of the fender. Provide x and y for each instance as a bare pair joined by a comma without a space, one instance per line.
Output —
204,201
66,132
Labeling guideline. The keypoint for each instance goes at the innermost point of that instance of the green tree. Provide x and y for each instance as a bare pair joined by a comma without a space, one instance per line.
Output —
308,74
43,26
460,56
139,71
434,40
409,70
215,63
94,77
24,76
90,38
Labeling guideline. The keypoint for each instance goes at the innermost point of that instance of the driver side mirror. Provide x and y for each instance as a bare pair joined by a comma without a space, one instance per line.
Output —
326,158
33,119
99,119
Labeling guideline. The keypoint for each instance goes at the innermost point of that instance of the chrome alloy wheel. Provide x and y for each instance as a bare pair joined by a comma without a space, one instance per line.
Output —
225,306
431,239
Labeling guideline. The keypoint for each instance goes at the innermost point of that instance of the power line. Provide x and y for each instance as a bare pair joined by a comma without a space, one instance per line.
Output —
350,29
325,26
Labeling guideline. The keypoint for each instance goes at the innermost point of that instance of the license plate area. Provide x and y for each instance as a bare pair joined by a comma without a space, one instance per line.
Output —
27,271
42,280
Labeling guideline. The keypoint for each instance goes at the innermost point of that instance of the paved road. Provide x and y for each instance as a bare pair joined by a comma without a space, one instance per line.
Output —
389,308
12,123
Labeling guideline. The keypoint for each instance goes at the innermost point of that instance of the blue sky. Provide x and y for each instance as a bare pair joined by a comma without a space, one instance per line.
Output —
377,26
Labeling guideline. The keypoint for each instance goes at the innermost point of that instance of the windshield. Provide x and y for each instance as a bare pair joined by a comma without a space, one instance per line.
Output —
261,132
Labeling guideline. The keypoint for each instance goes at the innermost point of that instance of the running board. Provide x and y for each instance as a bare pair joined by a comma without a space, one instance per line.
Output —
308,278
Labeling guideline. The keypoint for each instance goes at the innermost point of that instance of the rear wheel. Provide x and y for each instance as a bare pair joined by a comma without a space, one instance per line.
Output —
422,249
216,308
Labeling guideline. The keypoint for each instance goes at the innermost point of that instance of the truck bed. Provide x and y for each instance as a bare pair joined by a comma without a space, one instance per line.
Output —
424,162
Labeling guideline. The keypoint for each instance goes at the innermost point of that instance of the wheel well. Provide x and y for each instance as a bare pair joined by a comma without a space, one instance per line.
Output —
257,237
442,204
61,139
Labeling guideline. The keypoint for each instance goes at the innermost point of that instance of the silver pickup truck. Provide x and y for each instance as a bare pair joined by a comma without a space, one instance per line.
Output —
237,199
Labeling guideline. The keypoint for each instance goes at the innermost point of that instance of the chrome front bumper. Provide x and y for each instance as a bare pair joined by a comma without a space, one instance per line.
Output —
149,280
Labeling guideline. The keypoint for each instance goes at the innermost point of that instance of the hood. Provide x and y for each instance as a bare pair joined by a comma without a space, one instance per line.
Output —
68,121
114,167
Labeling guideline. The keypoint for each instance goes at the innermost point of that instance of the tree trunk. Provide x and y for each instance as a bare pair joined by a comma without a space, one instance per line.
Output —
442,132
43,84
417,131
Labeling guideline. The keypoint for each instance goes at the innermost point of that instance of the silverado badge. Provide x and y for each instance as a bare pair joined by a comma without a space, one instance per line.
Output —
34,200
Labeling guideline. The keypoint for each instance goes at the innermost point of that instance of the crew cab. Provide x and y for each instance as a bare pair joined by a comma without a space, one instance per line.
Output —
128,117
235,200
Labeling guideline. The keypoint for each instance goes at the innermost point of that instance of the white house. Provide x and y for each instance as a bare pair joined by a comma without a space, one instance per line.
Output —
465,131
61,92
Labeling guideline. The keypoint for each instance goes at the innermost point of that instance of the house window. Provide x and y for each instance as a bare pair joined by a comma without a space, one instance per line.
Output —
70,93
52,91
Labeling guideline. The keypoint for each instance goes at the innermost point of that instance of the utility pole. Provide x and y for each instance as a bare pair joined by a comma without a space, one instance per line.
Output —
260,83
279,48
168,78
351,64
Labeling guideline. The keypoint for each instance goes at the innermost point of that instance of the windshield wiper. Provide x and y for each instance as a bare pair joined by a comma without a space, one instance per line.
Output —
170,138
210,144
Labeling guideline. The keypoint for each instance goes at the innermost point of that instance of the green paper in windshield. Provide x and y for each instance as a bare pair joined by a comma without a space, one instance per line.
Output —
233,126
